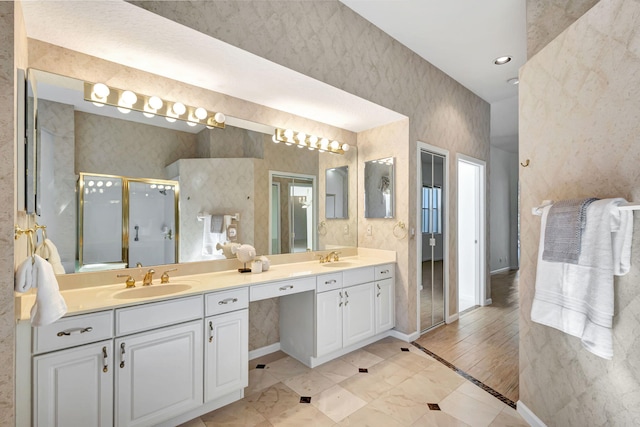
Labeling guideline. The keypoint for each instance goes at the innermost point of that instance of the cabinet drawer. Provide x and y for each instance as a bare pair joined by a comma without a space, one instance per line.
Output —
278,289
386,271
328,282
225,301
158,314
357,276
73,331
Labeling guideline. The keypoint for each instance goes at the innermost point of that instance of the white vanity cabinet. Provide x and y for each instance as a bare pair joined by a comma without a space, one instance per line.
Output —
226,343
159,373
73,371
74,387
358,314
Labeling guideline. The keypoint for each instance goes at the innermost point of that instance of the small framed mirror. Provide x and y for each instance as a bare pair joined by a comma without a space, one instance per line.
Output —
379,188
337,193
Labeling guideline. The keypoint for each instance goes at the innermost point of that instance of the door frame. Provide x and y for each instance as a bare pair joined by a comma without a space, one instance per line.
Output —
482,222
423,146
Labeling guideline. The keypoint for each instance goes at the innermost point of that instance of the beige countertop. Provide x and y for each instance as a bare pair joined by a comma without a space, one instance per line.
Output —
102,297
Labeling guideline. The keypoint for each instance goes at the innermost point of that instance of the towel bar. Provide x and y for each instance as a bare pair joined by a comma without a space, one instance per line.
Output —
625,207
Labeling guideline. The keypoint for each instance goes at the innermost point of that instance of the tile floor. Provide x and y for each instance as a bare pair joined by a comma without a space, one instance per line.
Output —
379,385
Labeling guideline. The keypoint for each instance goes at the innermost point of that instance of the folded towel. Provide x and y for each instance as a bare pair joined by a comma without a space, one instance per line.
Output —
563,232
24,278
216,223
579,298
49,305
48,251
210,240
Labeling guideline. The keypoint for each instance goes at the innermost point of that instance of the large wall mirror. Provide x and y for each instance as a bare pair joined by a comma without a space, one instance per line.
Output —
337,193
379,188
220,172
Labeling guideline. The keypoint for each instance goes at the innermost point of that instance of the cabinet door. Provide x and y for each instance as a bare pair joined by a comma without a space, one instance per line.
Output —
74,387
158,374
226,366
358,313
328,322
385,305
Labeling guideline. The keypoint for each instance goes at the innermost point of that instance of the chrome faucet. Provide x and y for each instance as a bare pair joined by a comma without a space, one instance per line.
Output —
148,278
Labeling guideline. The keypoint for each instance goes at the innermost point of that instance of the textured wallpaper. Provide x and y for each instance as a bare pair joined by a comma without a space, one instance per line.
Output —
333,44
579,126
546,19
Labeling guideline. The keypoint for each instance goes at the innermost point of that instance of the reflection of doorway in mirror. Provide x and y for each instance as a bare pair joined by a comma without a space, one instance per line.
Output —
301,224
275,215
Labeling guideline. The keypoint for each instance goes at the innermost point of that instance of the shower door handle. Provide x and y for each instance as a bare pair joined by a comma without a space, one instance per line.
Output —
136,228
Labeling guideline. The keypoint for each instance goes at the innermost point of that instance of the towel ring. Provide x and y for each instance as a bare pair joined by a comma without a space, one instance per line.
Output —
322,228
400,230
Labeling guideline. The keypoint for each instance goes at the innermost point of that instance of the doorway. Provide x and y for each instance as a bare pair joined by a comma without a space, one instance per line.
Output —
471,233
432,236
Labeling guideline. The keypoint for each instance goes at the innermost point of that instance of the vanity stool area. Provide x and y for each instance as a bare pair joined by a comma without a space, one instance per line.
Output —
166,360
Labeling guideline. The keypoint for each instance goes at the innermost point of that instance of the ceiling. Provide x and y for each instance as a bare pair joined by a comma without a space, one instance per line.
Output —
461,37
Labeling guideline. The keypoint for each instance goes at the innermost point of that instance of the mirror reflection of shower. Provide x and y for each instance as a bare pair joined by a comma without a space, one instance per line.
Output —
293,213
126,221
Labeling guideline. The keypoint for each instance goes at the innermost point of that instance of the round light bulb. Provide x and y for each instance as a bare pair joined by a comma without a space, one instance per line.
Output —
100,91
201,113
155,102
148,115
219,117
334,145
502,60
128,98
170,119
345,147
98,104
324,143
160,186
179,108
109,183
274,139
288,134
192,124
91,183
152,186
124,110
313,140
302,137
100,184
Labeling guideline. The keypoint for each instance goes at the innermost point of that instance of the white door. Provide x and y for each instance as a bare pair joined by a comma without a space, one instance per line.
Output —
158,374
359,322
470,235
329,322
385,305
226,354
74,387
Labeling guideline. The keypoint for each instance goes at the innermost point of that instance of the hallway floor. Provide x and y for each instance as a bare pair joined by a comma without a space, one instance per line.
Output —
484,341
388,383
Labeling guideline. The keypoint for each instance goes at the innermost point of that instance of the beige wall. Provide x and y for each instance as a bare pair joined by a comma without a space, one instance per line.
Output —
546,19
333,44
579,126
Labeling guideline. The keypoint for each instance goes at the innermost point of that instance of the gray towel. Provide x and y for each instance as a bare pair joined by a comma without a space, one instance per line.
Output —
563,233
216,223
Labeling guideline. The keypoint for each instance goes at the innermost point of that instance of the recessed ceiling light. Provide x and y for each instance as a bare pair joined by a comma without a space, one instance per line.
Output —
513,81
502,60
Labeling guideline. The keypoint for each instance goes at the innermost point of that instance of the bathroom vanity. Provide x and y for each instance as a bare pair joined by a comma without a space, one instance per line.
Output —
167,353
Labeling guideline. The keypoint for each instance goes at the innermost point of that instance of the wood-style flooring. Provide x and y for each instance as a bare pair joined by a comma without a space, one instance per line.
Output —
484,341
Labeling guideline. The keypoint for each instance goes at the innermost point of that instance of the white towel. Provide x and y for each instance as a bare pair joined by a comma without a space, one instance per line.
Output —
578,298
210,240
50,305
24,276
49,251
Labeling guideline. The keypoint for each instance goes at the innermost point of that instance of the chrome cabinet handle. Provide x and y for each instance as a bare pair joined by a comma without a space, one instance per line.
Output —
74,331
340,305
384,272
347,296
378,285
284,288
210,331
328,282
105,360
227,301
122,352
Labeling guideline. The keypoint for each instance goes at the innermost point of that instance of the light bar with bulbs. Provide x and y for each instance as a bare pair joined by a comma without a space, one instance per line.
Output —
311,142
126,100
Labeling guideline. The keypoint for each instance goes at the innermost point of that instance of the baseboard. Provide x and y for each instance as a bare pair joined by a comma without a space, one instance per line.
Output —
263,351
501,270
528,415
452,318
404,337
488,301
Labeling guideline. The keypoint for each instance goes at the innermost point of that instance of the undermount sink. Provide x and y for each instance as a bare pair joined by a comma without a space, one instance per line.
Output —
337,264
152,291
